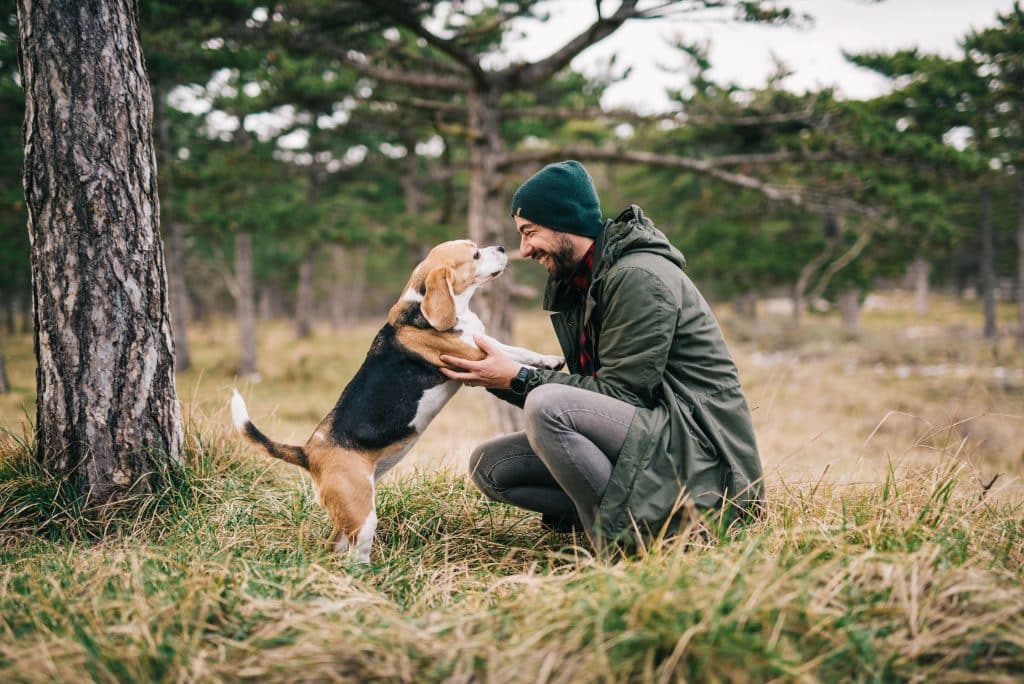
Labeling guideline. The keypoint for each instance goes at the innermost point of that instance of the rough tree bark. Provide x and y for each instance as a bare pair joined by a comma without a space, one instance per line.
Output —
107,410
988,264
245,306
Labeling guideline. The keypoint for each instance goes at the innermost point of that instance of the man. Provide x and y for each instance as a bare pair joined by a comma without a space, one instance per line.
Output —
651,419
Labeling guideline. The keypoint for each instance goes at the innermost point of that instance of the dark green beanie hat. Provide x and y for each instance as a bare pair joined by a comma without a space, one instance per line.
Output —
561,197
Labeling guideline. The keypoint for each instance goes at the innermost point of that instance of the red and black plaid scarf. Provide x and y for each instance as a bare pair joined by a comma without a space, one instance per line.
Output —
580,280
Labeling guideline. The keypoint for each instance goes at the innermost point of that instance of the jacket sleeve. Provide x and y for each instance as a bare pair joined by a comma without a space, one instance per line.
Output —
637,328
509,396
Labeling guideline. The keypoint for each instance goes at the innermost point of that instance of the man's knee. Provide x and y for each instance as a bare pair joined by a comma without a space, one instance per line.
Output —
544,408
479,467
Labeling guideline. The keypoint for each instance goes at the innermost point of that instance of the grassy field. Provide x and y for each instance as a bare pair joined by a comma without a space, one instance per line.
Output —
883,557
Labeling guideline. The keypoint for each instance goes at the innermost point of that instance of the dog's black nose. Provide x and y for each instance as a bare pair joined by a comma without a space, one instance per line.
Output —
501,249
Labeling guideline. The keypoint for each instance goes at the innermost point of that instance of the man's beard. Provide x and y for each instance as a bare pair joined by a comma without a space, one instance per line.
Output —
563,263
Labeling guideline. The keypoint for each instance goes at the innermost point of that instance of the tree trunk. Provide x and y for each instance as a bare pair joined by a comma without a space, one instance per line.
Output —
988,264
245,306
797,297
10,322
849,309
348,285
746,305
922,270
175,247
107,410
830,230
338,272
305,304
485,228
1020,260
25,307
5,384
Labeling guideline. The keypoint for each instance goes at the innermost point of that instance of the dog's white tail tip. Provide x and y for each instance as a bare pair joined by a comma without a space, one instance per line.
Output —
239,414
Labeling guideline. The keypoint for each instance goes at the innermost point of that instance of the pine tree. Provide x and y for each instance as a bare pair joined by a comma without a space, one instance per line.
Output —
107,408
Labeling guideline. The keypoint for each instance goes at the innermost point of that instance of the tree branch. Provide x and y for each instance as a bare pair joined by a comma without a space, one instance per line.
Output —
441,82
841,262
530,74
798,197
429,105
399,12
308,42
680,117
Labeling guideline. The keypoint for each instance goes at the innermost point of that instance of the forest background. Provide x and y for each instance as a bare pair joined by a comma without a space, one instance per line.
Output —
866,258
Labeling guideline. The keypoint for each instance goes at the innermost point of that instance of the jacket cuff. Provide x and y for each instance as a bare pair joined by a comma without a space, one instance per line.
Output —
509,396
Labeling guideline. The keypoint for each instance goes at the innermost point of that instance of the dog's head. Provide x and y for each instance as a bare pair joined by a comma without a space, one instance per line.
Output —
447,278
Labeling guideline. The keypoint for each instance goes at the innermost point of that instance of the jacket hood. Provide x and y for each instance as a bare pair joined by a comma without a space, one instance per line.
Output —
632,232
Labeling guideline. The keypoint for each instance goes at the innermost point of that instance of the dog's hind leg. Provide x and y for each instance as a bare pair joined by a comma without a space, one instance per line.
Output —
349,500
339,541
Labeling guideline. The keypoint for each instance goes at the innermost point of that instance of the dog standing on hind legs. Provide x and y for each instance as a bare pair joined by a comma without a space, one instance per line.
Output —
396,392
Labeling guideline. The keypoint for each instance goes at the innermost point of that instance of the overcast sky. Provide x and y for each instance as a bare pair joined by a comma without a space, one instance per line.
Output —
741,53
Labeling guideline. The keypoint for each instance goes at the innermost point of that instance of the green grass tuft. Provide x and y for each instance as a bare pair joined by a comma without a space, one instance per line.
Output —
226,576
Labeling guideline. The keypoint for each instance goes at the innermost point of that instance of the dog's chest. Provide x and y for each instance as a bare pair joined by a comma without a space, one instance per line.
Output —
469,324
431,402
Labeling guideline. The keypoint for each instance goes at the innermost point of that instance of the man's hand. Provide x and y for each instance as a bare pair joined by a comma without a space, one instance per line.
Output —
495,371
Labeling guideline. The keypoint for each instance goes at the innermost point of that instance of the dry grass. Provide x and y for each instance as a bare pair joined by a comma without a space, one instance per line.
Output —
881,559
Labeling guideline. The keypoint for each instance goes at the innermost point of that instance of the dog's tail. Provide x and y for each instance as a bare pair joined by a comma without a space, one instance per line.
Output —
290,454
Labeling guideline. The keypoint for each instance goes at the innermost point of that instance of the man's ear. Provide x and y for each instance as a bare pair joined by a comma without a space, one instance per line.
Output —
438,305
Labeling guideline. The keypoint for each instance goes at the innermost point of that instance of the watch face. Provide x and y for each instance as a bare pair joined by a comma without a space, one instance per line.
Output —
518,383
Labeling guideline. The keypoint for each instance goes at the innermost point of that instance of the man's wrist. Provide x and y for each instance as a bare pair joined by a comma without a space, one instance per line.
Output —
525,380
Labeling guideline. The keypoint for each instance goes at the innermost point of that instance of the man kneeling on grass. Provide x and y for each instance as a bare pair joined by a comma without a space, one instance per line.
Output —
651,419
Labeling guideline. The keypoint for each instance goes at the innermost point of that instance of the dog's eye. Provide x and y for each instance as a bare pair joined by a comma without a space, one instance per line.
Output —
476,254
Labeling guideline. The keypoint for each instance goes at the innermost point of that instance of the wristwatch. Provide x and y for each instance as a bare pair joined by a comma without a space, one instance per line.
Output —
525,380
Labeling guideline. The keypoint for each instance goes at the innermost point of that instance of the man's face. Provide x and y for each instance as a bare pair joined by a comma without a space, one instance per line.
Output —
549,247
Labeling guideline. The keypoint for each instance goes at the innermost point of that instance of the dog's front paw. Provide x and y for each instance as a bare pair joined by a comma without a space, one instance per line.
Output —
552,362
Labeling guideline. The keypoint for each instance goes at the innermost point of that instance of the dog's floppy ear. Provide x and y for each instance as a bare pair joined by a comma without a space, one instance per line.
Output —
438,305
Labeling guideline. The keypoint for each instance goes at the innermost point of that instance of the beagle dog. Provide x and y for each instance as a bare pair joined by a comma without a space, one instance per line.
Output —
396,392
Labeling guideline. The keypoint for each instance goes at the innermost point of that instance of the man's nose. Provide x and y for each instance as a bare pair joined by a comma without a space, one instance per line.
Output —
524,247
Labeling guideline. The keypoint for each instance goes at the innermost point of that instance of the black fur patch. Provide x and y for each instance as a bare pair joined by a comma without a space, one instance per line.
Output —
377,407
413,317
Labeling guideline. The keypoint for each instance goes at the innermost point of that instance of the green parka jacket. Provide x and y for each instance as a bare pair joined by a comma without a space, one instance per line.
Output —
659,348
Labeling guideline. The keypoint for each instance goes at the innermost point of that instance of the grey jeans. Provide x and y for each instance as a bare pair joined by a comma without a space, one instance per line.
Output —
563,461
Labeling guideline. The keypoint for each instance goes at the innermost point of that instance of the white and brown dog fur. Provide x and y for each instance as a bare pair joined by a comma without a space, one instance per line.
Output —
396,392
